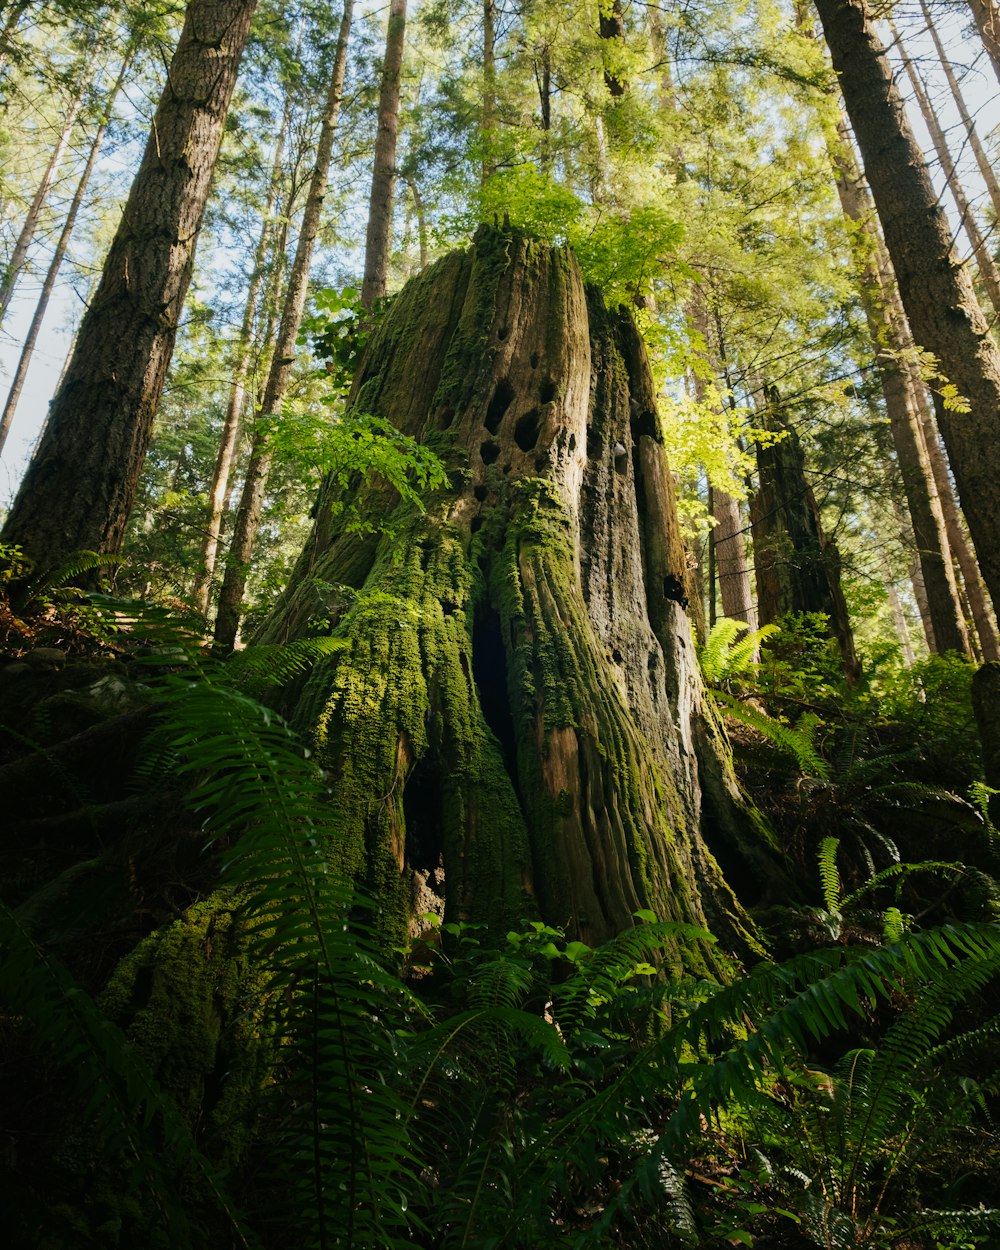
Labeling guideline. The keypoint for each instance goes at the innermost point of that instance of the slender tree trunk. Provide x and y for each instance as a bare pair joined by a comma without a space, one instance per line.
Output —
384,172
81,483
898,615
543,79
489,87
987,19
418,208
729,545
279,374
19,255
961,550
10,23
986,170
936,290
27,349
988,271
542,736
886,322
219,487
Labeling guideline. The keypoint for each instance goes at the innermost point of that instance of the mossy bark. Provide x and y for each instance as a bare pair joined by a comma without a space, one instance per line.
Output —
517,708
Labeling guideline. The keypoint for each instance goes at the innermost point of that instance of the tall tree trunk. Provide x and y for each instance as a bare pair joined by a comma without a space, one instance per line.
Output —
898,615
81,483
517,701
384,172
729,546
219,487
988,272
279,374
987,19
489,88
961,550
19,254
797,566
543,79
892,344
936,290
28,347
986,170
421,215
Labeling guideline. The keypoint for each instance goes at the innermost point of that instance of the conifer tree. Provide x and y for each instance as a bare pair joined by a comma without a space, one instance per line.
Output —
79,488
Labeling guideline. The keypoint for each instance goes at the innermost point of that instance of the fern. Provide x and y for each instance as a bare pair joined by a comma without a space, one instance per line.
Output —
722,657
346,1136
797,741
36,589
828,874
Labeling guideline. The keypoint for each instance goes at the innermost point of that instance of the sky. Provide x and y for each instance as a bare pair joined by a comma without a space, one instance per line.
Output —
978,85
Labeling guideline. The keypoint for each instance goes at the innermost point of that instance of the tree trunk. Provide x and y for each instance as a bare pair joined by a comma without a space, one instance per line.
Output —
31,338
81,483
611,27
982,160
936,290
279,374
489,88
219,488
987,19
517,703
19,254
384,172
890,338
898,615
797,566
988,272
727,543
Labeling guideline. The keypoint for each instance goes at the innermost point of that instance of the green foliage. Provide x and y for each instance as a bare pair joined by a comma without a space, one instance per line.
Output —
722,657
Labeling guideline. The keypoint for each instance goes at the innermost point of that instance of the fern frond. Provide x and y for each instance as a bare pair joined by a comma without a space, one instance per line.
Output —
346,1143
260,668
828,874
59,577
796,741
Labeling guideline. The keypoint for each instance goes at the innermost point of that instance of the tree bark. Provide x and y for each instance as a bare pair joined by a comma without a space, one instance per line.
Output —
31,338
892,344
797,566
218,490
987,19
611,27
384,171
986,170
517,700
19,254
81,483
489,88
936,290
961,550
988,272
279,374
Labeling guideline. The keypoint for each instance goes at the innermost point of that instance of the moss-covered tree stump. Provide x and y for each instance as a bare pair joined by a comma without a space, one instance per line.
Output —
514,723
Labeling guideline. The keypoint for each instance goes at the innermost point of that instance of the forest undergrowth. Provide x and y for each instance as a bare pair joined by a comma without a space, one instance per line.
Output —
207,1039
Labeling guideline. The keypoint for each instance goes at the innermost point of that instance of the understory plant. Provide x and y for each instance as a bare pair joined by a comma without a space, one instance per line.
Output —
484,1089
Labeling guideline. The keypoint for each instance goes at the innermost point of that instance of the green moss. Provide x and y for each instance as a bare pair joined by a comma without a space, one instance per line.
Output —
185,997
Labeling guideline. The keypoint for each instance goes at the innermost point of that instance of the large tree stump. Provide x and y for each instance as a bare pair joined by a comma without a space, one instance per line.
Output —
517,707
